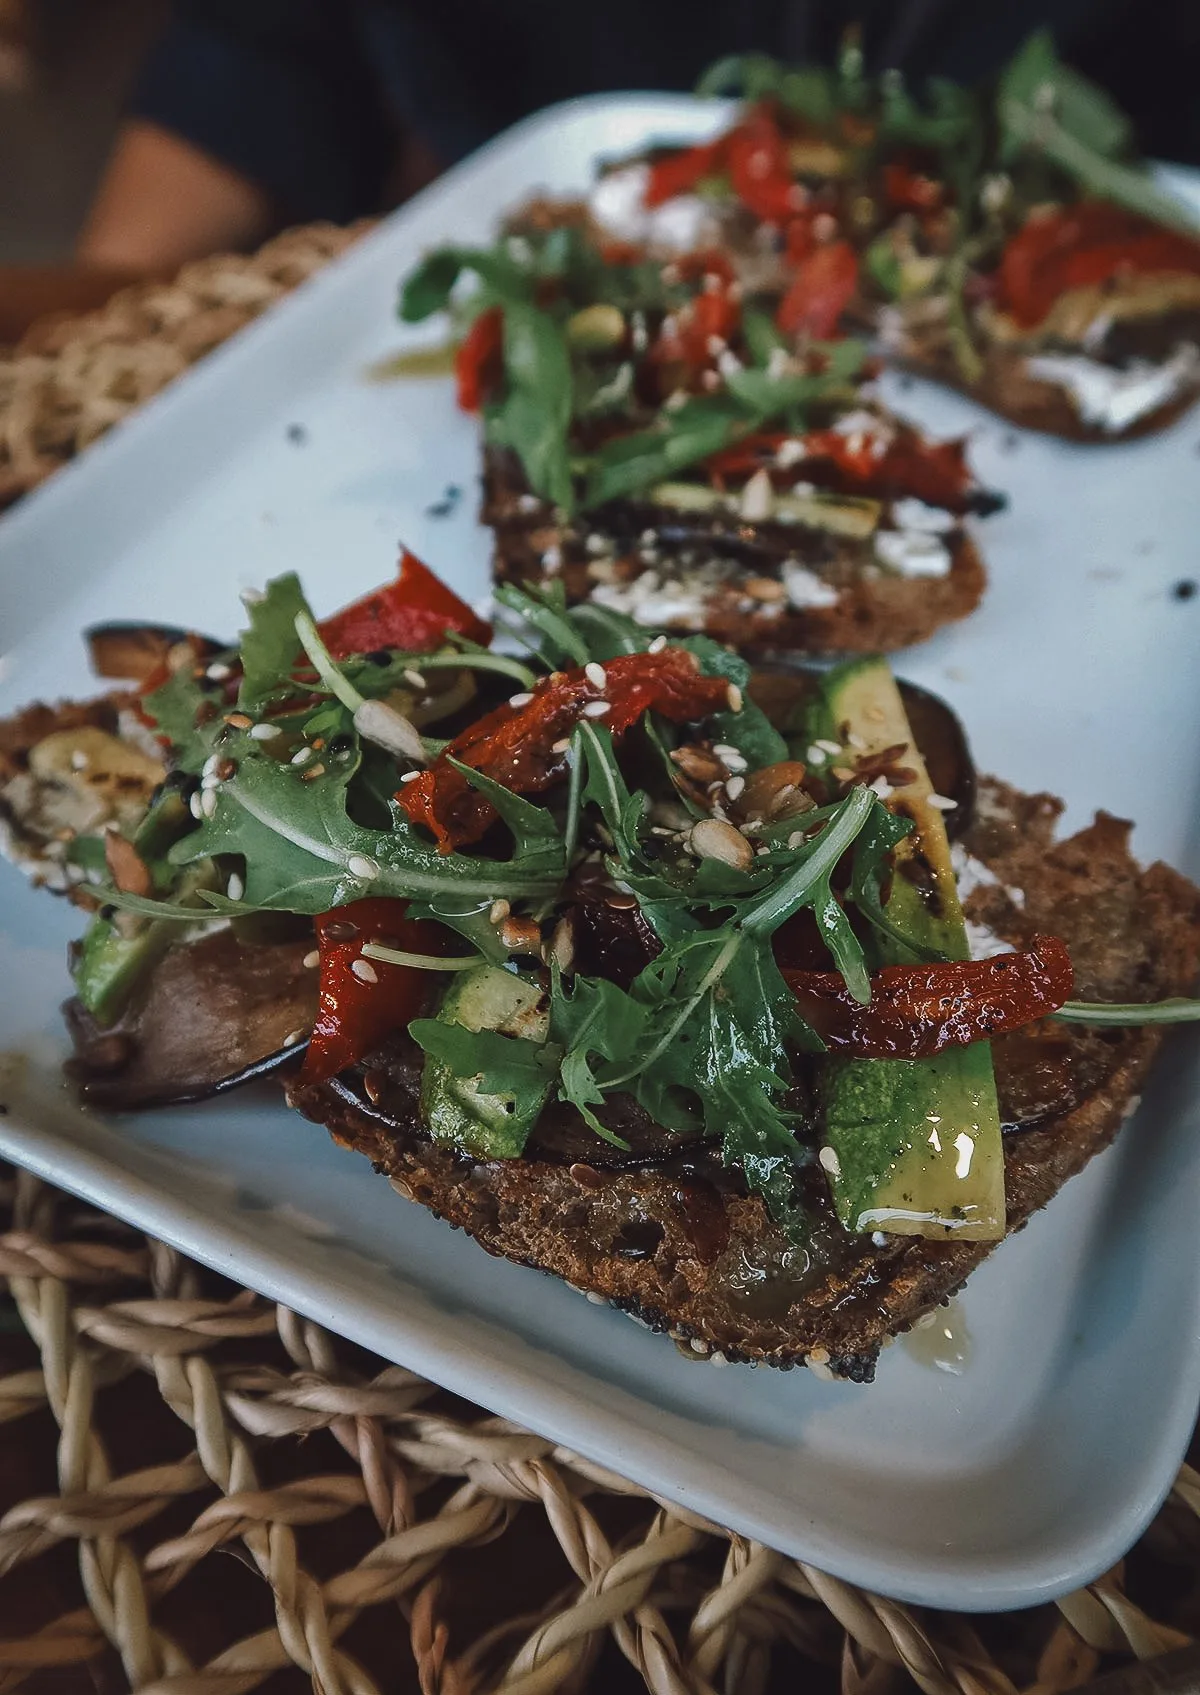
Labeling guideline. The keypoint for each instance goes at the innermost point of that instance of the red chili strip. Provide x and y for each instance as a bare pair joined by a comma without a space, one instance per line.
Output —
1081,246
761,172
525,747
916,1011
678,173
358,1009
478,363
413,613
820,291
936,472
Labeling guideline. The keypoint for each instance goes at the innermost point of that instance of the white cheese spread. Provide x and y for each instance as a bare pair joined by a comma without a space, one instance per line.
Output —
912,553
806,591
652,601
1112,398
680,225
913,514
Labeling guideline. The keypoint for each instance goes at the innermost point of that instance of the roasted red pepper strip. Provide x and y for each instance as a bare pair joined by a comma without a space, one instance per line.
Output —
760,170
413,613
910,191
354,1015
678,173
933,471
916,1011
524,747
478,363
820,292
1080,246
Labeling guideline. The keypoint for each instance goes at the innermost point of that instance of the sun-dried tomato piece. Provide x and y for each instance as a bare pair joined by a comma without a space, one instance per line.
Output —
525,747
916,1011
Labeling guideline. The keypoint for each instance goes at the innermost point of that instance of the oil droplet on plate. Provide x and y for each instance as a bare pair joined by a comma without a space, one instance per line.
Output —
941,1340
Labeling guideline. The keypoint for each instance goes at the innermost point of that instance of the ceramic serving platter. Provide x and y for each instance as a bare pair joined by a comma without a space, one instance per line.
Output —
995,1467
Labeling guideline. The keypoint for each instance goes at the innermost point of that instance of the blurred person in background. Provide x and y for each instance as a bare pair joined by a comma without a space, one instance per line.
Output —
253,114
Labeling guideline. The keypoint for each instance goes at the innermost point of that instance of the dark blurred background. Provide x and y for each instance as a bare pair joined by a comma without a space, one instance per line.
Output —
210,123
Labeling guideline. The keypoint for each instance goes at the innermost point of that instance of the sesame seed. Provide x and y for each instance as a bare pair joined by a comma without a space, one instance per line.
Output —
724,749
856,742
879,1239
313,771
194,806
302,756
521,699
597,708
358,865
880,787
79,760
734,787
830,747
596,675
409,776
413,677
235,888
264,732
364,971
597,1300
657,645
498,911
210,765
312,959
816,755
292,1037
210,781
844,774
238,720
218,671
829,1159
734,696
699,1345
717,1358
796,839
208,802
561,746
942,803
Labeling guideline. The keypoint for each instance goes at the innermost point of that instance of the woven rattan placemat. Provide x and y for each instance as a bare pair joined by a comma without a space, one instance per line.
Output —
201,1492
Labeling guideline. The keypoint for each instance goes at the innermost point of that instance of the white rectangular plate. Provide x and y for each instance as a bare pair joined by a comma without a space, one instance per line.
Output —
1008,1484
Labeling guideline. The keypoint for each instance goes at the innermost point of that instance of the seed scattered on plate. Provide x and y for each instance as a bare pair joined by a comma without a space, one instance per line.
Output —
365,971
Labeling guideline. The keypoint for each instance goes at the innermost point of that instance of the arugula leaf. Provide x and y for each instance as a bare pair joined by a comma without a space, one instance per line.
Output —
606,788
535,416
544,606
536,838
706,423
592,1017
501,1065
750,730
173,707
269,645
428,289
812,91
298,843
1043,106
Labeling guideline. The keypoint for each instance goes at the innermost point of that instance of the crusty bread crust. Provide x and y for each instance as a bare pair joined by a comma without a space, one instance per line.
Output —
701,1259
1007,388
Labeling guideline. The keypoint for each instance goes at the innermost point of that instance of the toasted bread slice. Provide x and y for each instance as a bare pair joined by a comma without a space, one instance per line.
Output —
758,586
682,1247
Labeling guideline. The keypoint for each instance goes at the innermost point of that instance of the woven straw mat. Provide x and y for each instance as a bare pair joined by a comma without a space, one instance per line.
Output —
201,1492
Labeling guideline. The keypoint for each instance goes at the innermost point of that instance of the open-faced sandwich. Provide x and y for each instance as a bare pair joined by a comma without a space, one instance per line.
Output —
1002,239
656,444
730,997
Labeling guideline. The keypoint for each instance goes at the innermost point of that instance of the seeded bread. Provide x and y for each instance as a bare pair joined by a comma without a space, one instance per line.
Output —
684,1248
737,593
